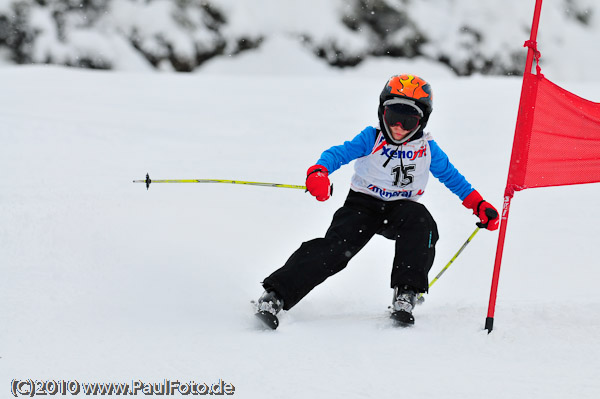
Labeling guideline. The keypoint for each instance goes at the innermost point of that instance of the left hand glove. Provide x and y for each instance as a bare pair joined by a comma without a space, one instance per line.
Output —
487,214
317,182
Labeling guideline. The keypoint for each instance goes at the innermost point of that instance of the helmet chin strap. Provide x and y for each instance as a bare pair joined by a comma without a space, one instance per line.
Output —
391,156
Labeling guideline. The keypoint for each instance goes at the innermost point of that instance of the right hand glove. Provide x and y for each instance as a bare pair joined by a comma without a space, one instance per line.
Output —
487,214
317,182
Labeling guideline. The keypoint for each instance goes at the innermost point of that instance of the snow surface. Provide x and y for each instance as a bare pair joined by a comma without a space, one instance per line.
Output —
103,280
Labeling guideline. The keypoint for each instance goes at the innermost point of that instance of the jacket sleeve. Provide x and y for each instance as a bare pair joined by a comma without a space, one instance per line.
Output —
339,155
445,172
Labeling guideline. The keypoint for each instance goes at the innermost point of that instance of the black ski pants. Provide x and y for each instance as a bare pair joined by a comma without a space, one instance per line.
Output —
409,223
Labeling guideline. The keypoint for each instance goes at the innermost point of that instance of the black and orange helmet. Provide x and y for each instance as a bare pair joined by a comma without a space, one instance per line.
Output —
410,90
411,87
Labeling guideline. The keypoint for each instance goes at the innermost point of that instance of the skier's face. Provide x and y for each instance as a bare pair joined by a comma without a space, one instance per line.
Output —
398,133
401,119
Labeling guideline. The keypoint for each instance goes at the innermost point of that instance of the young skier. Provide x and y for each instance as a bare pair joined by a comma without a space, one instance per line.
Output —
392,168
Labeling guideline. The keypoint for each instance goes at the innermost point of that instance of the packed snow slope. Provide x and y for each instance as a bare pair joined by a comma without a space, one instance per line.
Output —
105,281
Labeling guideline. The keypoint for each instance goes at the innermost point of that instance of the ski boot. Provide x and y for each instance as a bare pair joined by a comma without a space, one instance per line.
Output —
269,304
405,299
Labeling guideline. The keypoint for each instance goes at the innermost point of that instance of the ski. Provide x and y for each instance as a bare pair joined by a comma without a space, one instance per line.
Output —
402,318
268,319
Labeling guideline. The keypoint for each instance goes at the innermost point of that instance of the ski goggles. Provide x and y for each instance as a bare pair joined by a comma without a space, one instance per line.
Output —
401,115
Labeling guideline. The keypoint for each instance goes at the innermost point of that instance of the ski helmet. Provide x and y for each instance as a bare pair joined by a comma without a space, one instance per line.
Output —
409,94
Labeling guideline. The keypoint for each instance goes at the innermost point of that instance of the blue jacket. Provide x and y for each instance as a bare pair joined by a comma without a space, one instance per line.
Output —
363,145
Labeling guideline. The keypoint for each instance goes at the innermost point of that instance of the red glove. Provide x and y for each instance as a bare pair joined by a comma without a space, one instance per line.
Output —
317,182
483,210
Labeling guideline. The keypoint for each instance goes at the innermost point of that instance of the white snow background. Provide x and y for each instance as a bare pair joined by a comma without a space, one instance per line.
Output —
105,281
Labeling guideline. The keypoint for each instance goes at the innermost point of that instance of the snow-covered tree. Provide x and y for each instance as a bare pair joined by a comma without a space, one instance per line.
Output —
469,37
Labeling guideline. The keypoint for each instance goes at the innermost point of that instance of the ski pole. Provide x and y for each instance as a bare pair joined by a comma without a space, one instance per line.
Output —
420,297
148,181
